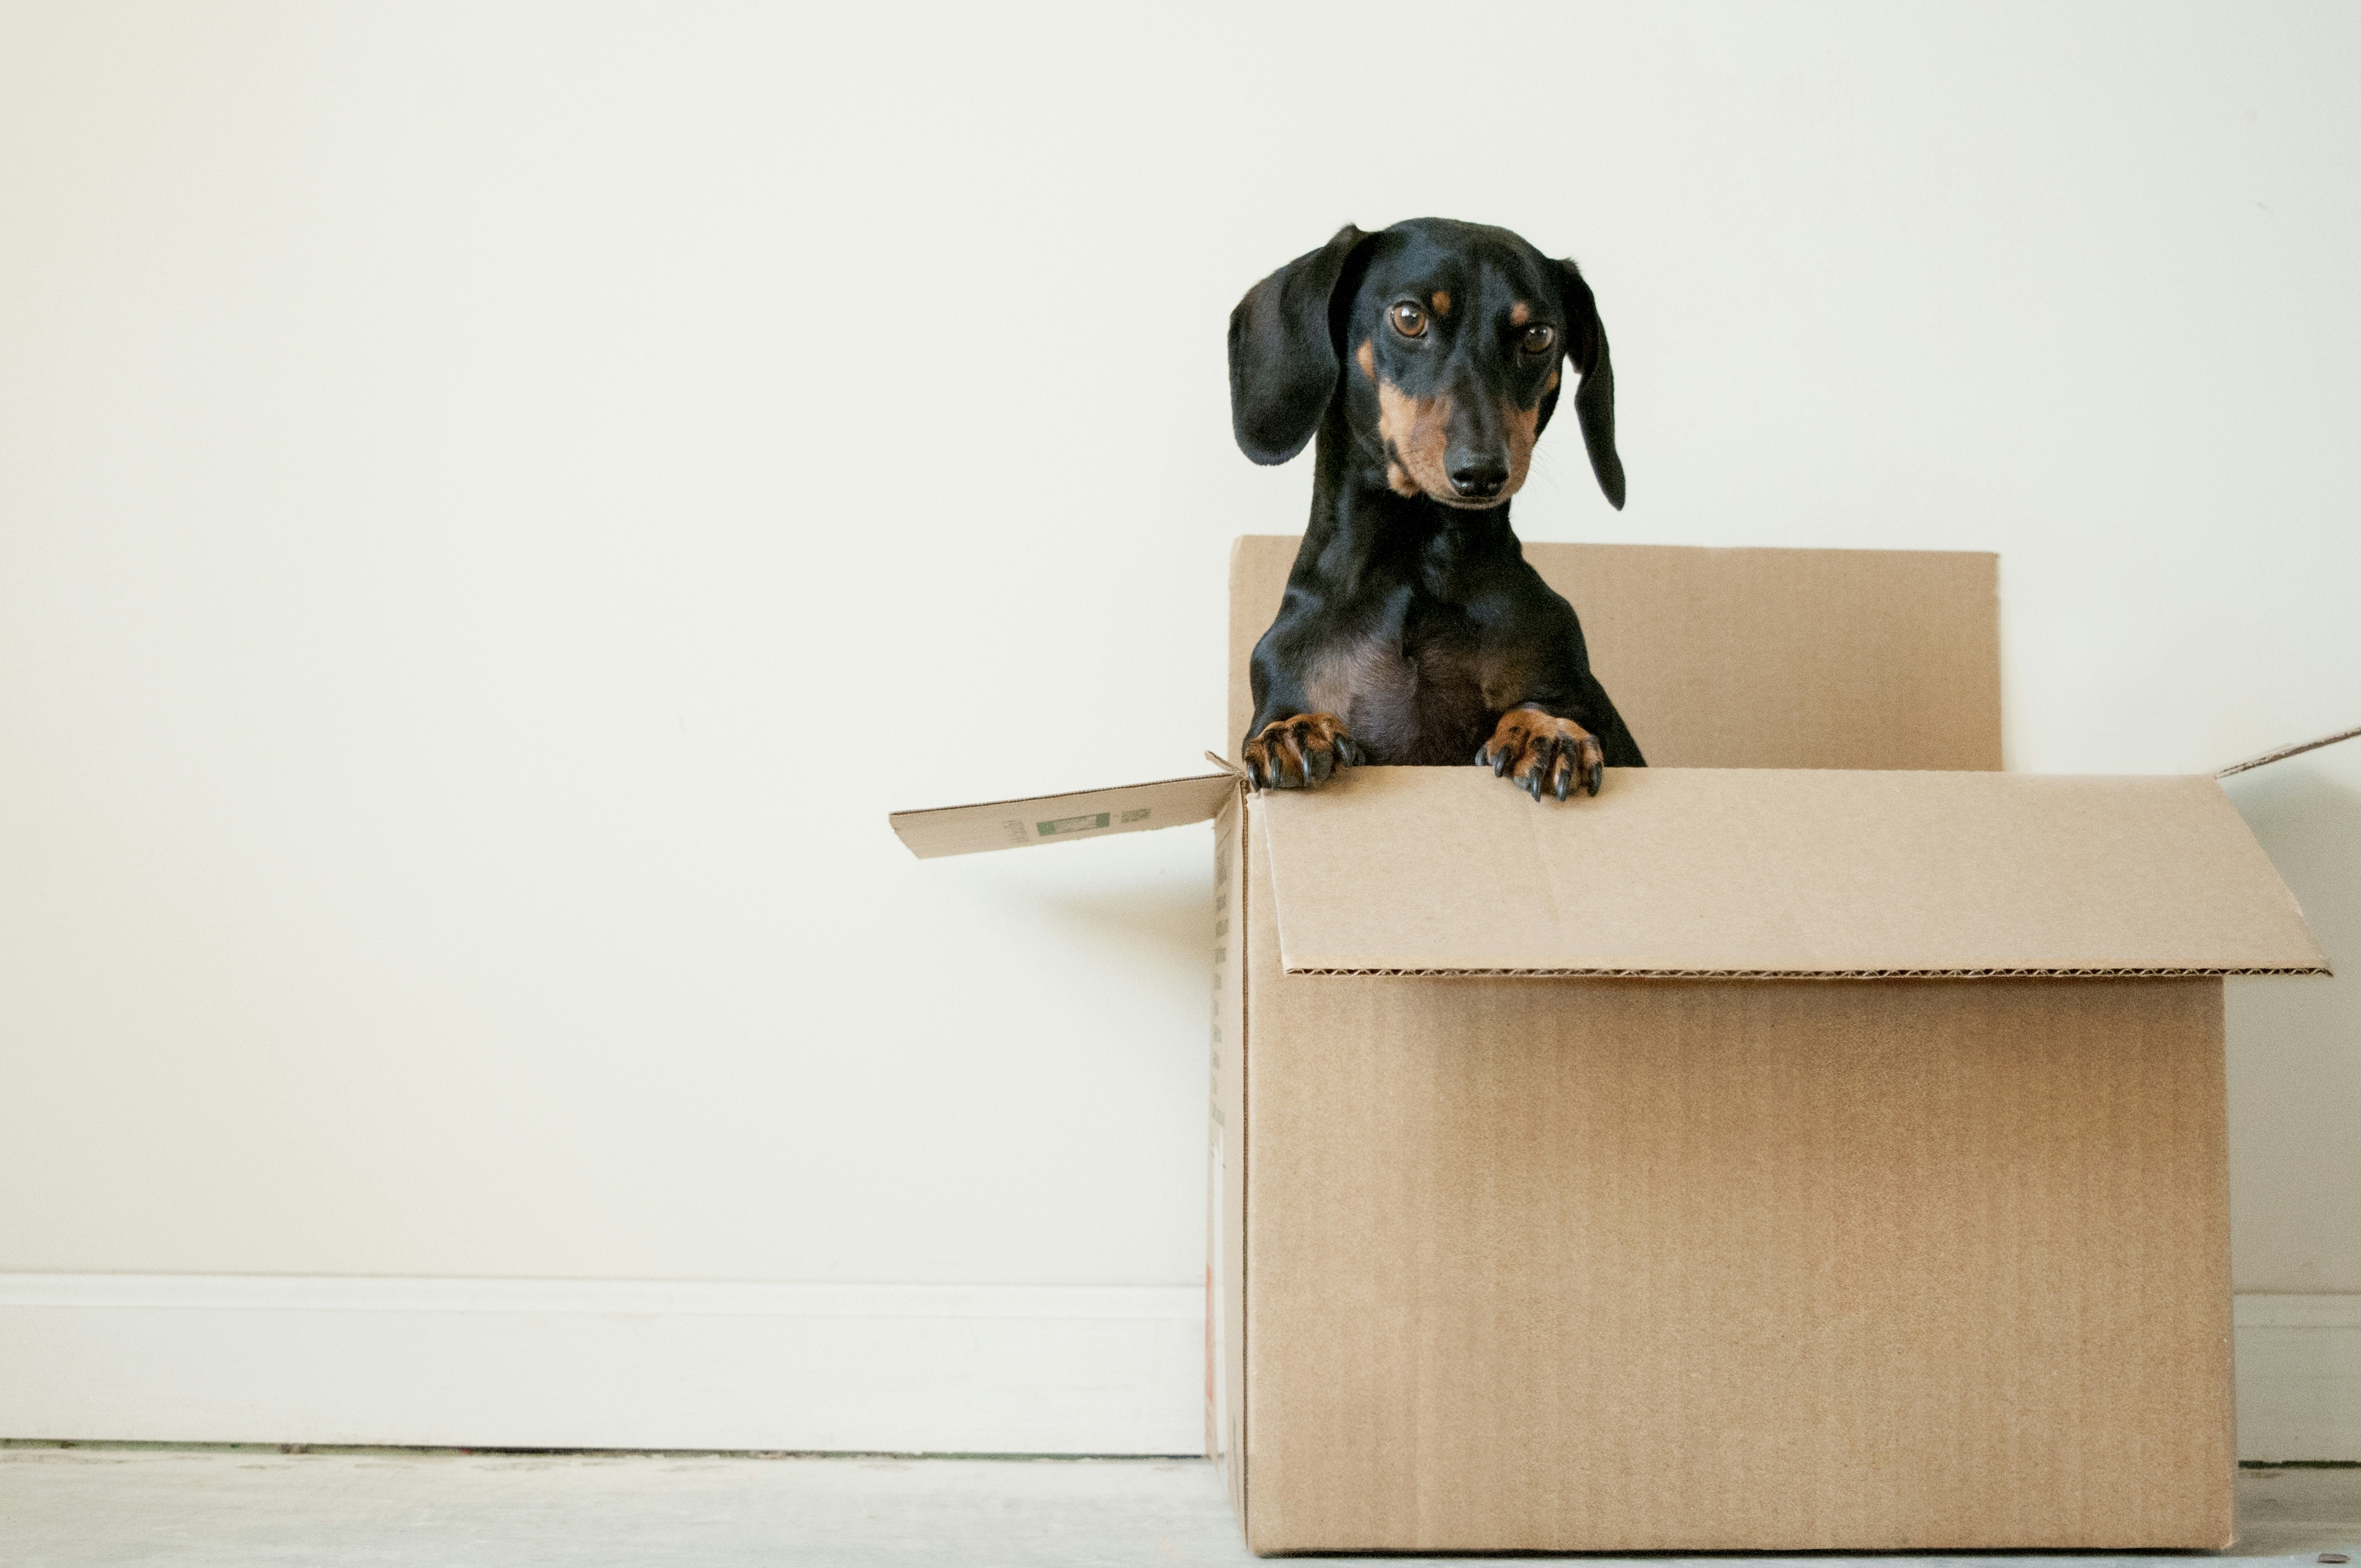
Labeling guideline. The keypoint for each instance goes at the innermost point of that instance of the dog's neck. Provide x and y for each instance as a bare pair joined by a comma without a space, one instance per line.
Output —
1365,534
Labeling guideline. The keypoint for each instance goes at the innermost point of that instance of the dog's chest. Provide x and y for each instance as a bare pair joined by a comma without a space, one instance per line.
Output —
1411,687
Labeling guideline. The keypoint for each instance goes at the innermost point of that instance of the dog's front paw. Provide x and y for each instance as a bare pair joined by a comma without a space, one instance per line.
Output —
1301,752
1543,755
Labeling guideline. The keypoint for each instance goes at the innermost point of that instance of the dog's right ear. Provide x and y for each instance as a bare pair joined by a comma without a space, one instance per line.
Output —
1284,363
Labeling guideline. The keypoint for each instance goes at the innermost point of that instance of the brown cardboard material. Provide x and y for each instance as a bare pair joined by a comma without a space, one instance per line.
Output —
1696,872
1622,1266
1749,658
2281,753
1540,1221
1061,819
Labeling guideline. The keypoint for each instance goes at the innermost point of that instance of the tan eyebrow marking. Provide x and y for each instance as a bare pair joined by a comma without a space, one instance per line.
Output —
1520,313
1366,356
1443,302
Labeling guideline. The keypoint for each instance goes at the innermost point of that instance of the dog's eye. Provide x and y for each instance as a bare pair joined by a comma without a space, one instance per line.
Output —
1409,320
1539,338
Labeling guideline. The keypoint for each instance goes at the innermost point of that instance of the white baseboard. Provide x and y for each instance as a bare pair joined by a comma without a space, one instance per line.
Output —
892,1369
591,1363
2299,1376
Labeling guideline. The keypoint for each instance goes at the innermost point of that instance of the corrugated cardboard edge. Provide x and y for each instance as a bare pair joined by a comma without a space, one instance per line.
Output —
2283,752
1226,1238
2321,969
1242,1453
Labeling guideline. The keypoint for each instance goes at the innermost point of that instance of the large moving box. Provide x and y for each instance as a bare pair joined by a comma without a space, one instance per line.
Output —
1759,1155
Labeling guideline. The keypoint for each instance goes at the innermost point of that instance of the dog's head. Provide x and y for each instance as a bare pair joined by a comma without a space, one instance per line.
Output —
1445,343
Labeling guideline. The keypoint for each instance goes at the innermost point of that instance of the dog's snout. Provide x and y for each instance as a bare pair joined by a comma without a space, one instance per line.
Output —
1480,478
1476,459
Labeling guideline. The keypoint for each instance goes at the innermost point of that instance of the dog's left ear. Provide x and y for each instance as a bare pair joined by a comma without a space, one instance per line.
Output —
1284,363
1594,404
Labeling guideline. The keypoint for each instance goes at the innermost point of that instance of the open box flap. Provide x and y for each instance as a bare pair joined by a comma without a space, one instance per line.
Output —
1755,872
1052,819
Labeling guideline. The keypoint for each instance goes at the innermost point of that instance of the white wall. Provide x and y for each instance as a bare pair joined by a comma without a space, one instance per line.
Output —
496,504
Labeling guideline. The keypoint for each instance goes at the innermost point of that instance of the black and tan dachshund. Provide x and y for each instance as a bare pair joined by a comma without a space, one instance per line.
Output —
1427,358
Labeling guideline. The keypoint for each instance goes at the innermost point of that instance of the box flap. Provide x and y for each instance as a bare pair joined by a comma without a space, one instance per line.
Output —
2281,753
1053,818
1776,874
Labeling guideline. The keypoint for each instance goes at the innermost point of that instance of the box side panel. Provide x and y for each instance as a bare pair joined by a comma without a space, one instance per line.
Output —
1225,1168
1620,1266
1792,658
1750,658
1259,567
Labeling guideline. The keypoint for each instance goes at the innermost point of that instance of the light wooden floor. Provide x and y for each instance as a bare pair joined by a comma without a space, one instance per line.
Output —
85,1508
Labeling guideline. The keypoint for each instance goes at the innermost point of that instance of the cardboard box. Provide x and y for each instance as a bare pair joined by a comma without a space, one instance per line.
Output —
1750,1158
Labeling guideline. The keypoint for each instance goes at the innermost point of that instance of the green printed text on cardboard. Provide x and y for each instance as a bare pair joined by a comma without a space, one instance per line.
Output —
1072,825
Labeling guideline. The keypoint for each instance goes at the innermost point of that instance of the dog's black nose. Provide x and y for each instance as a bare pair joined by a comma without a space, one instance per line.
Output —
1480,480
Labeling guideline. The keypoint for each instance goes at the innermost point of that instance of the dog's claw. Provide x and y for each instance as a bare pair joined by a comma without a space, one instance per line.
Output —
1301,752
1543,755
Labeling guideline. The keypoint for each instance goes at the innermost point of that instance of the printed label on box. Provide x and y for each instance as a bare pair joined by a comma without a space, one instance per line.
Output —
1072,825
